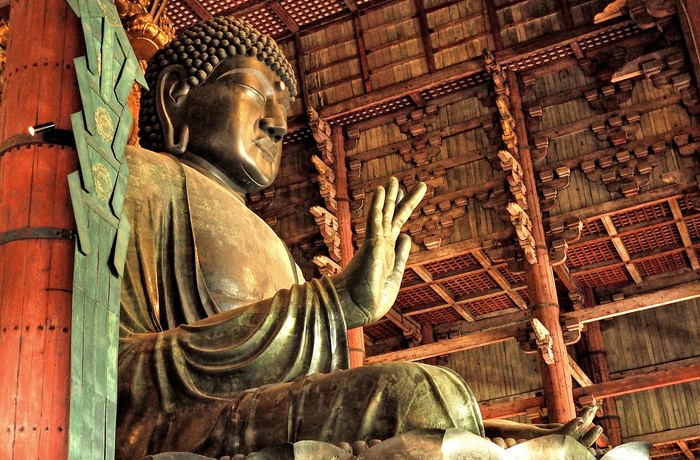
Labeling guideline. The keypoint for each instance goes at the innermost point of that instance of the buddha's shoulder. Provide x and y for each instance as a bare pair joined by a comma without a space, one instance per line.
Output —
151,169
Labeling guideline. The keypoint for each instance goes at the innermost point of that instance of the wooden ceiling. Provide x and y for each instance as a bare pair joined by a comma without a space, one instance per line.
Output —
611,115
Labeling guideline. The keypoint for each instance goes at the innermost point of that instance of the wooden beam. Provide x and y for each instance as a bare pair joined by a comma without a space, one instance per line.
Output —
665,437
637,303
686,451
684,233
654,368
578,374
675,376
500,328
443,347
621,250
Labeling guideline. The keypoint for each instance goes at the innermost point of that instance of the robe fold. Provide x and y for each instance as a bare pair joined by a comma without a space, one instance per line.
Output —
222,353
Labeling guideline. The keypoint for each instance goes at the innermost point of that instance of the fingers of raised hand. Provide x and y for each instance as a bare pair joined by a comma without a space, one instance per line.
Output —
392,191
405,208
374,218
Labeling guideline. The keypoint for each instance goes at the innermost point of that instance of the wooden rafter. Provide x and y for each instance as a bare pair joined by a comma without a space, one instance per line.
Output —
200,10
362,51
284,16
425,35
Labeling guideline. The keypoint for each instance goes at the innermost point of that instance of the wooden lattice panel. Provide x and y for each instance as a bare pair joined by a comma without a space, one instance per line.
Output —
181,14
490,305
444,267
216,7
420,296
266,21
639,215
693,225
591,253
472,284
513,279
622,31
610,276
652,238
374,111
409,277
525,294
381,330
686,203
541,58
454,86
593,227
441,316
308,11
663,264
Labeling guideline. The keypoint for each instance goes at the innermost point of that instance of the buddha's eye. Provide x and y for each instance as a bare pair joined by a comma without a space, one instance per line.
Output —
253,93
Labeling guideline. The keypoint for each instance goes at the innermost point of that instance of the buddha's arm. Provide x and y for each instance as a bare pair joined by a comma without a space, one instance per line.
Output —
368,286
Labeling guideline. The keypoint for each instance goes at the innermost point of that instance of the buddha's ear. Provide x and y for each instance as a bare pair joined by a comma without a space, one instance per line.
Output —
171,92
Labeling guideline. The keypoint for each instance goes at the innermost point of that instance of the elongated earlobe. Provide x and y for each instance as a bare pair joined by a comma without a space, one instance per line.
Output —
171,94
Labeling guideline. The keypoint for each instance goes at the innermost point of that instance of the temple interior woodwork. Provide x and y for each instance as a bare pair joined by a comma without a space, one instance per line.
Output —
596,102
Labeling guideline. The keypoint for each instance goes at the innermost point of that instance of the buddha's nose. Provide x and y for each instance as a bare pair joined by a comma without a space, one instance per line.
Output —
274,128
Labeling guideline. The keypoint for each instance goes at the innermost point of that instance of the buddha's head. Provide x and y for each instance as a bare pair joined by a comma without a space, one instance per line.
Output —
219,95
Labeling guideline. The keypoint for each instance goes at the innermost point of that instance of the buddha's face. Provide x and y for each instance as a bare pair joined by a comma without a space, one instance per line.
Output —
236,120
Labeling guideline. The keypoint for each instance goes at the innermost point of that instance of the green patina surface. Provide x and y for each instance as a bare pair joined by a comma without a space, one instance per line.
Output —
105,77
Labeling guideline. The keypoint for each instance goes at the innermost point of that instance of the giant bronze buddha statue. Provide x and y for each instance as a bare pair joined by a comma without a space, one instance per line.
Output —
224,348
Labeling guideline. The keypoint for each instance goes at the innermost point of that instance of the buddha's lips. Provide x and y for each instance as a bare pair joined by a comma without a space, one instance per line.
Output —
268,148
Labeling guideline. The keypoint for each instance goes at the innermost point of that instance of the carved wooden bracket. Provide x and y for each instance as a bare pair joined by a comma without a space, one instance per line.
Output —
328,225
617,129
539,340
628,171
603,65
321,131
419,121
571,331
326,266
260,201
499,252
565,234
609,97
326,183
523,228
667,69
352,136
688,144
551,182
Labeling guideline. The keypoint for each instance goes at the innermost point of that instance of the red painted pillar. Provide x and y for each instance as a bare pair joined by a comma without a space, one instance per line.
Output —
594,362
36,224
356,338
556,377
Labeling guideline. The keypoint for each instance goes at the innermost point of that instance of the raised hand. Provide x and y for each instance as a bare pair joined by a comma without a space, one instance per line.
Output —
368,286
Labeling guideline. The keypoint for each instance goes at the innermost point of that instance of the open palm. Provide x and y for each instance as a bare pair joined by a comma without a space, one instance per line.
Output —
370,282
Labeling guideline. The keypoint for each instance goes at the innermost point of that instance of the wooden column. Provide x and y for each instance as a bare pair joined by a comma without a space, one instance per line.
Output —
36,228
356,339
689,12
594,361
556,377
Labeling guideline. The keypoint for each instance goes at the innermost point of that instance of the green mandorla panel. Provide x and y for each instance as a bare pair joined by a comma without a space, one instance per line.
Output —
105,77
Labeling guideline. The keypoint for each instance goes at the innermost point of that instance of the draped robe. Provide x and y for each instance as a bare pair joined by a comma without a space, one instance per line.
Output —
224,349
